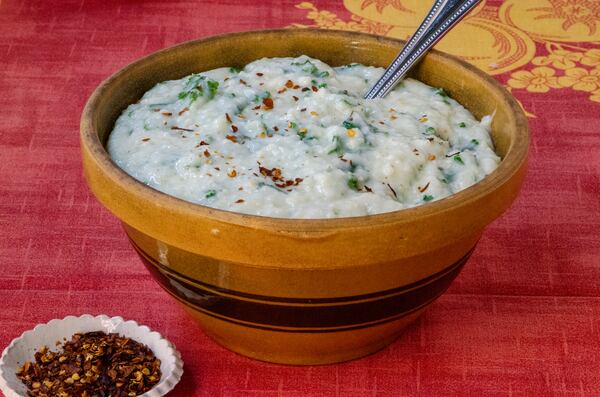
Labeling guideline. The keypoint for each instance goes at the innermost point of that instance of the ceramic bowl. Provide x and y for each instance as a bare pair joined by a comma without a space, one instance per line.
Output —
302,291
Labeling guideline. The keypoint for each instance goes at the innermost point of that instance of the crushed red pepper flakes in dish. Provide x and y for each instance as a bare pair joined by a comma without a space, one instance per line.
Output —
92,364
268,103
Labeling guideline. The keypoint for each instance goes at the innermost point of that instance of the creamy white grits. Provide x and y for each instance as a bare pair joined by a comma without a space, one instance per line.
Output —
293,138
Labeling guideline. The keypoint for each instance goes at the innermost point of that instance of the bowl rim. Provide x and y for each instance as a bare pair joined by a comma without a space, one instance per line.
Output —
511,163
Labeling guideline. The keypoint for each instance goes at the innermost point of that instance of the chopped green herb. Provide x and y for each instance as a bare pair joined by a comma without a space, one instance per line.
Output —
196,86
349,125
462,125
353,183
302,134
210,193
260,97
311,68
339,146
322,85
293,125
130,113
458,159
441,92
146,127
474,142
430,131
234,70
213,86
427,197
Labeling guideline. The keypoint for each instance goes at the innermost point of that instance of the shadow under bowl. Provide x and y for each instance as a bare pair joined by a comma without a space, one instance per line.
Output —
303,291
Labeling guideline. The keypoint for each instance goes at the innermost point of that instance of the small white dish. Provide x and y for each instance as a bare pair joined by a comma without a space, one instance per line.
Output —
23,348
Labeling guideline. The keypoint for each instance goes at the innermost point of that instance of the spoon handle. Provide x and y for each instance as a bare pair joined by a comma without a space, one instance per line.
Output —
442,17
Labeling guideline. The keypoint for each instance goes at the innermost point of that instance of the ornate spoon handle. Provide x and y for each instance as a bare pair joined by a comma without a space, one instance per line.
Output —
442,17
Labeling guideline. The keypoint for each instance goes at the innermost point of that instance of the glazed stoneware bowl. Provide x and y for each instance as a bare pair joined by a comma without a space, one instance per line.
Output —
302,291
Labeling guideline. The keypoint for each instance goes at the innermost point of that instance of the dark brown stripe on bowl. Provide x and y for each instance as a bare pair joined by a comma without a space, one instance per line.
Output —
303,315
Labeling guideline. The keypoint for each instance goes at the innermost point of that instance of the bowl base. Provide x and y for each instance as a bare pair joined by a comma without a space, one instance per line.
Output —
303,348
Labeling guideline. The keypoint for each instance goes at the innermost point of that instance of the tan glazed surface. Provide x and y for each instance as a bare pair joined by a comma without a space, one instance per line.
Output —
303,291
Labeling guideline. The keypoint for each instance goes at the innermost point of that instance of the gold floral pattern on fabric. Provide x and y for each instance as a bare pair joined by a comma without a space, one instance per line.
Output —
381,4
554,20
529,40
563,67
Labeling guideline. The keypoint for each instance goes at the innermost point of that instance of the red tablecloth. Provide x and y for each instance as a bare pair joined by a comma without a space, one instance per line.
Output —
523,318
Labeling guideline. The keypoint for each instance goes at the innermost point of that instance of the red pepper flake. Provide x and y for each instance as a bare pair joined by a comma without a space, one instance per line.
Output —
305,89
228,117
289,84
232,174
145,139
156,110
382,123
181,129
303,110
183,111
315,89
259,74
276,176
217,168
234,128
275,128
295,98
431,157
202,143
393,191
232,138
422,189
281,91
226,78
268,103
206,153
239,201
240,188
243,82
368,189
296,86
167,114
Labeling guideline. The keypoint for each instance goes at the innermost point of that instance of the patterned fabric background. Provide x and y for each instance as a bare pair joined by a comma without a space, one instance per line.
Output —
542,45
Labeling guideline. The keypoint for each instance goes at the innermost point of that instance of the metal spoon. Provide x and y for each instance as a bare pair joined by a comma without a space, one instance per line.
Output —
442,17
